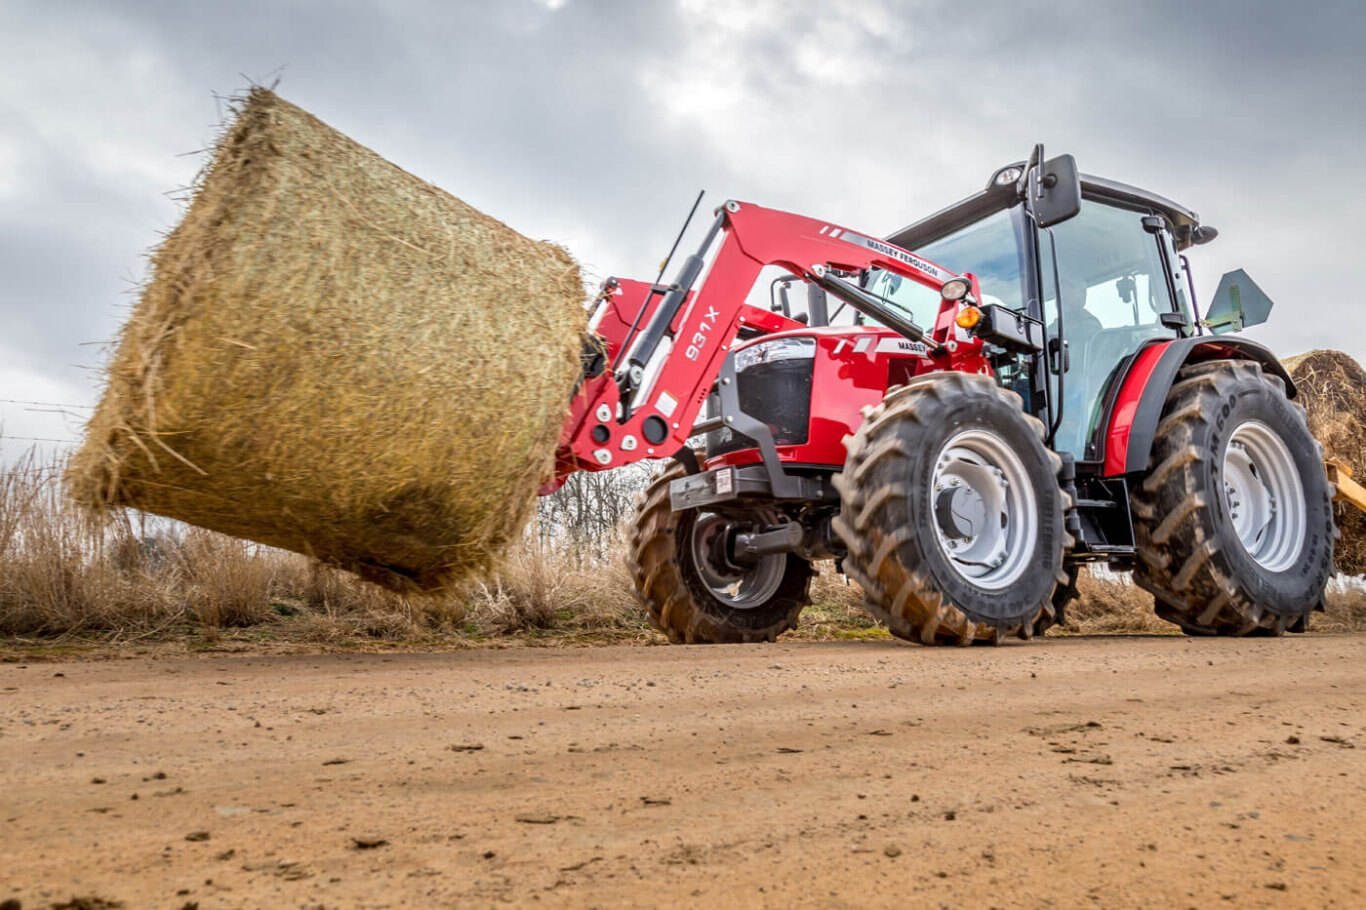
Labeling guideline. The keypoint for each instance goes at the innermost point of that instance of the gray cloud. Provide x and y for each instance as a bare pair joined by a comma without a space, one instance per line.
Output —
593,124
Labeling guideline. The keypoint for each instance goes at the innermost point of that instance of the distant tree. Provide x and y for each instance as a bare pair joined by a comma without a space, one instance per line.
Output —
587,514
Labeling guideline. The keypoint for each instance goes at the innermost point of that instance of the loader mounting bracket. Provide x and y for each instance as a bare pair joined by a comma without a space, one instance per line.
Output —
782,484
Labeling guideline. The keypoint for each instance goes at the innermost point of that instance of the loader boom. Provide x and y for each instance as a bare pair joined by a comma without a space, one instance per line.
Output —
655,363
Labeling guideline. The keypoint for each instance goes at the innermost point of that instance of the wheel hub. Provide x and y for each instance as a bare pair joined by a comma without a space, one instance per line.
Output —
740,587
1264,496
985,513
961,513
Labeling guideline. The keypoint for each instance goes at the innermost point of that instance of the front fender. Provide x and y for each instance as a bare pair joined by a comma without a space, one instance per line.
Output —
1137,409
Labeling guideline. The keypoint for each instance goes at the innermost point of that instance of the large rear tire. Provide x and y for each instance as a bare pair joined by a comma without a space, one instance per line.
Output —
691,592
1233,521
952,514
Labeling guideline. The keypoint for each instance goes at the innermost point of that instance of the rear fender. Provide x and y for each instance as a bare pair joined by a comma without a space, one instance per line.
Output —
1133,418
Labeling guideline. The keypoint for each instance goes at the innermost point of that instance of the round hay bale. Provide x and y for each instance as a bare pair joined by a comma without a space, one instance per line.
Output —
1332,388
337,358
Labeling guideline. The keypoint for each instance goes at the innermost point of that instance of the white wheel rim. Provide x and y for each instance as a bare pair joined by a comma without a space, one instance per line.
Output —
984,510
1264,496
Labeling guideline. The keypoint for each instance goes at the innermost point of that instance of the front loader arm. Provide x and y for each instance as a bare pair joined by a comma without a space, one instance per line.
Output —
660,349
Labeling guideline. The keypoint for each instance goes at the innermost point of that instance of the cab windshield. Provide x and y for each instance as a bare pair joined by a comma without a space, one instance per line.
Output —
992,249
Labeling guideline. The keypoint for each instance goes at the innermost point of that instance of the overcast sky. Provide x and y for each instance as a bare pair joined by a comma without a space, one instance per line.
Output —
594,123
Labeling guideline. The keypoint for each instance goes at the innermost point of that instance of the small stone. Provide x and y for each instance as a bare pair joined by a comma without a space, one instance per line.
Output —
891,851
368,841
197,836
950,815
1292,740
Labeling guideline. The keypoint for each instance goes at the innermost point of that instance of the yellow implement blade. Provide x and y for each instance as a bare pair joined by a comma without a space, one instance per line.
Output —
1348,490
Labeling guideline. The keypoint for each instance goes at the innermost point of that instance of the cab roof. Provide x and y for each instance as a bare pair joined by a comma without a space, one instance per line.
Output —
997,196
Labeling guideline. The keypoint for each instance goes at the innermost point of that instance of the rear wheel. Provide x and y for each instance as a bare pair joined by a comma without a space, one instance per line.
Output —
1234,519
692,589
952,514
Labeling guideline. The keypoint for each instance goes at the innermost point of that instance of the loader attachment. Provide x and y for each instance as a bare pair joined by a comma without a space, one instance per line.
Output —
1346,489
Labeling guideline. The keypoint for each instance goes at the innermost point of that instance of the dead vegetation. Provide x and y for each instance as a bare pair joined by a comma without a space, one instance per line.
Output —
64,577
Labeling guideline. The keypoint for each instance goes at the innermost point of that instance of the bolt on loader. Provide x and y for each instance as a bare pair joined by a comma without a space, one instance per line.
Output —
961,414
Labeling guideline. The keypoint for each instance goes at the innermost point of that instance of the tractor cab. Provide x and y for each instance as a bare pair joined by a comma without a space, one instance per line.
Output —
1116,265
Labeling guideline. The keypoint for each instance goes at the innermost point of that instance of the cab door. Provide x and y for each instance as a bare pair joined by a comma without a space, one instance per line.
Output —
1116,296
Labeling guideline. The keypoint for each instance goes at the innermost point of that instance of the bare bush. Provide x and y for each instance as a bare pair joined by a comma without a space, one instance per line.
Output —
57,568
226,582
1111,603
584,518
542,587
62,573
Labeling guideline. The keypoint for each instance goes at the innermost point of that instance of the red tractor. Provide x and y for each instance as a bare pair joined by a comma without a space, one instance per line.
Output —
959,438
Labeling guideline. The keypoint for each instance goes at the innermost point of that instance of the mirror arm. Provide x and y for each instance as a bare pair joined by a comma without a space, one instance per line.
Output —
1190,289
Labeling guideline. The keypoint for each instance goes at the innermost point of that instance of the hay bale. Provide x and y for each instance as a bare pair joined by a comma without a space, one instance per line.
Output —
337,358
1332,388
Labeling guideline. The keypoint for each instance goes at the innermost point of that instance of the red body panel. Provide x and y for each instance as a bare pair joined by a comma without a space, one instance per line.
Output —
853,369
704,332
1126,407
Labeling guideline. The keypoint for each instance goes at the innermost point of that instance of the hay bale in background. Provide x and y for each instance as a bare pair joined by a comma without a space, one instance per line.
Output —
1332,388
337,358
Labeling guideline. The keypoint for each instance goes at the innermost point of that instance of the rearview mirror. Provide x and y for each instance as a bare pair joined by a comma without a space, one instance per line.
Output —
1237,304
1056,192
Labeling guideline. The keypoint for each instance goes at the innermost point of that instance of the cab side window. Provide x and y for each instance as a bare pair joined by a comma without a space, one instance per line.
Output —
1114,291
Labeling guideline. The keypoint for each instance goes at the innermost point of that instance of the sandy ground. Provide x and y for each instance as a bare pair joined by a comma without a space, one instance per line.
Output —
1107,772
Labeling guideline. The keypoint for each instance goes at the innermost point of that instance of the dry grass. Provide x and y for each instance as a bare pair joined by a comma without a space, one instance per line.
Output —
64,578
339,359
1110,604
836,610
64,574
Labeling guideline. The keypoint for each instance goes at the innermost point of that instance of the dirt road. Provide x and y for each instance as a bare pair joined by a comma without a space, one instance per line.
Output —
1112,772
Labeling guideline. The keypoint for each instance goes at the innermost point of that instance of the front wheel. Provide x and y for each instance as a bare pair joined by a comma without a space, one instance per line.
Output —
1233,520
952,513
692,589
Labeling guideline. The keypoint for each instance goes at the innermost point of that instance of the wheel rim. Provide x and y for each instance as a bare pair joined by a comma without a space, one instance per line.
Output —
739,587
985,512
1264,496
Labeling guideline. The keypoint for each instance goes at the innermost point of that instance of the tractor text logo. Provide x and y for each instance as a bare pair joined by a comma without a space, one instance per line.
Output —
699,338
892,252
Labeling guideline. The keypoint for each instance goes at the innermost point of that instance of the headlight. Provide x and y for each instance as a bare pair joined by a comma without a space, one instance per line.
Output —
956,289
775,350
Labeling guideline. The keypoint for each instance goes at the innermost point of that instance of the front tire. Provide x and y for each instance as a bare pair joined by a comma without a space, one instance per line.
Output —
1233,521
952,514
689,589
